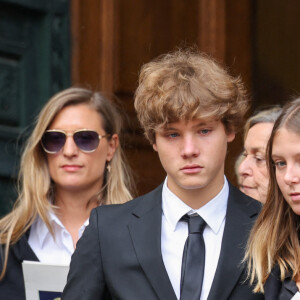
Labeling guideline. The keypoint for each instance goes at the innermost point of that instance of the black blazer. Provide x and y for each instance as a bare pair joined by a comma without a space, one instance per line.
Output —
119,255
12,285
275,289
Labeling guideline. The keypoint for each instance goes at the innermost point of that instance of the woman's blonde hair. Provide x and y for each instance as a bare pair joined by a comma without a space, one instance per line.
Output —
34,183
274,238
186,85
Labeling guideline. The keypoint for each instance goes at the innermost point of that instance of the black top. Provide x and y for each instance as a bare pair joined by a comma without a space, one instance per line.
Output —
275,289
12,285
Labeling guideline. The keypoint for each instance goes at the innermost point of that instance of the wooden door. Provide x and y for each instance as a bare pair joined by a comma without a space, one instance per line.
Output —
111,39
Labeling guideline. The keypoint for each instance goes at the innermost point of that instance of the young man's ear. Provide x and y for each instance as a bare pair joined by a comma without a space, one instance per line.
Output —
154,147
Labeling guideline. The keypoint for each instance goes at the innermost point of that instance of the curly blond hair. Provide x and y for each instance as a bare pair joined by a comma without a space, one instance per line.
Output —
186,85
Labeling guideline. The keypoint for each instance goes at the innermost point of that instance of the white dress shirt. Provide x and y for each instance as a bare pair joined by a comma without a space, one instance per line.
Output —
296,296
47,249
174,235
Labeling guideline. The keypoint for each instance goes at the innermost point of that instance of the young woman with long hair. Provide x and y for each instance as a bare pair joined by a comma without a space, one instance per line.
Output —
273,251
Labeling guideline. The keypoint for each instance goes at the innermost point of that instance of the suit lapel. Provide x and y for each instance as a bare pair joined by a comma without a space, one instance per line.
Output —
239,220
22,250
145,231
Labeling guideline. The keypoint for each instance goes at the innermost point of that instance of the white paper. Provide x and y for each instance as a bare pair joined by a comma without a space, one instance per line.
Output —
44,281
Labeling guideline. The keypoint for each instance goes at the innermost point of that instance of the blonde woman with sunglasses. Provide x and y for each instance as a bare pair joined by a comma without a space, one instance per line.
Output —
71,164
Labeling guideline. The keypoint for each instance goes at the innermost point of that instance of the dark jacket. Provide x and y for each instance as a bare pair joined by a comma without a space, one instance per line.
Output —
119,255
275,289
12,285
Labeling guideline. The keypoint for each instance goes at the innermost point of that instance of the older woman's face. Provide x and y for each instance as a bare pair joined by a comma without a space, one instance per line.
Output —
286,157
254,177
71,168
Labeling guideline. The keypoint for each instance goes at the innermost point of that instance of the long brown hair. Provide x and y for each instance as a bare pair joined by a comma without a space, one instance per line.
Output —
274,237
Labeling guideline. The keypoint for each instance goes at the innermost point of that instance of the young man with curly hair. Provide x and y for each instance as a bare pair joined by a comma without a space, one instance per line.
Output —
190,109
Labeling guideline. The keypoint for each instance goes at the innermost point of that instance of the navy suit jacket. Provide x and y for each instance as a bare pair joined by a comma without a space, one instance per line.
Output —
12,285
119,255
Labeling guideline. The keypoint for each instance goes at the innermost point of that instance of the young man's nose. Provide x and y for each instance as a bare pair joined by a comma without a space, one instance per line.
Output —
190,147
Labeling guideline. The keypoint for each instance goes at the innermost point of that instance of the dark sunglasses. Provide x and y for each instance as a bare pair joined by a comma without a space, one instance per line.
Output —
86,140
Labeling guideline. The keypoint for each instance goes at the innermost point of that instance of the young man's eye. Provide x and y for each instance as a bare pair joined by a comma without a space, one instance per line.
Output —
173,135
204,131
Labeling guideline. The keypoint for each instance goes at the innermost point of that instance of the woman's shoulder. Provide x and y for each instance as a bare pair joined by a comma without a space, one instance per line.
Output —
273,283
21,250
12,285
275,288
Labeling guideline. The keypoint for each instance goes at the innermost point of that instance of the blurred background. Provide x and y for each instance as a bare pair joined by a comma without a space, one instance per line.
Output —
46,46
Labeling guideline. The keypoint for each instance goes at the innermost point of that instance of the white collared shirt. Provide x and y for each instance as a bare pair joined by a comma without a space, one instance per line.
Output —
174,235
296,296
47,249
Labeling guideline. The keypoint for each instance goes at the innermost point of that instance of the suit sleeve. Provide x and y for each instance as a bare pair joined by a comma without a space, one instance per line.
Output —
85,278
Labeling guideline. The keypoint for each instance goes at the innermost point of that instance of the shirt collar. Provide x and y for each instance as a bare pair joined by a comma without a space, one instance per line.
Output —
56,224
213,212
42,231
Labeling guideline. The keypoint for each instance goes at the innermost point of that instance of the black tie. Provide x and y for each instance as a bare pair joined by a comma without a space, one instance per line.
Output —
193,259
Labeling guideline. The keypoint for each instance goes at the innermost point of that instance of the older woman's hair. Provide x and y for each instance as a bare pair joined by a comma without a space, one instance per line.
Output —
269,115
274,238
185,85
35,184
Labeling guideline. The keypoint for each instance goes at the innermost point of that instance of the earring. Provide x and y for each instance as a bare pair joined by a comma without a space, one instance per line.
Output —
108,166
